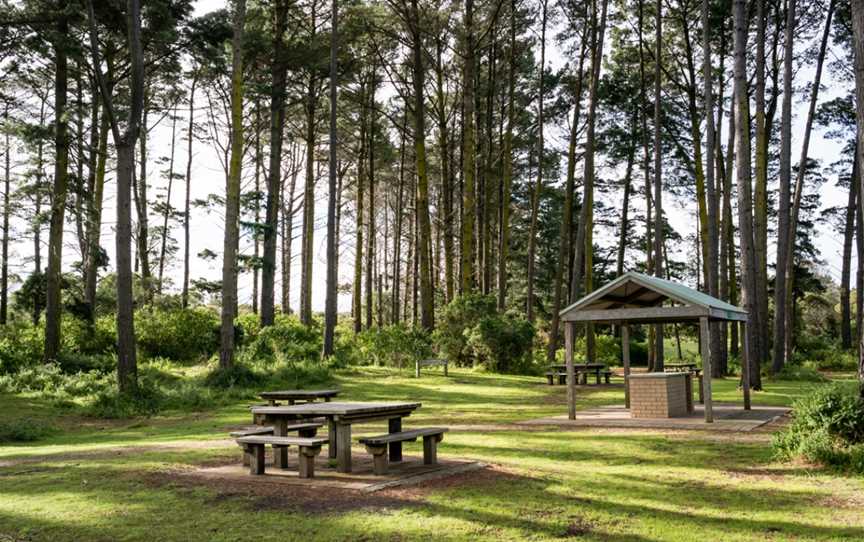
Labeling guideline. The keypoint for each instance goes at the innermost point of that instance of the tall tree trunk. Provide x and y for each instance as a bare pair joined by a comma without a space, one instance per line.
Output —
469,150
278,73
370,212
357,297
760,210
7,179
397,234
232,193
190,136
712,250
168,208
745,203
858,42
508,158
799,180
446,174
332,246
624,227
288,232
658,179
53,306
141,206
423,224
308,210
538,184
566,238
845,279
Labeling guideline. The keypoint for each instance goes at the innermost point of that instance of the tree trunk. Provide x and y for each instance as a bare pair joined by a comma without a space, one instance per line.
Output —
658,180
423,224
858,41
332,247
357,291
53,306
190,136
760,211
845,279
278,73
468,153
745,203
508,158
232,193
168,207
566,238
140,183
7,171
370,212
446,177
538,185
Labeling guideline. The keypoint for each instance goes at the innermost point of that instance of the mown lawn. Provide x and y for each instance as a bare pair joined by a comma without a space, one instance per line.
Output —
97,480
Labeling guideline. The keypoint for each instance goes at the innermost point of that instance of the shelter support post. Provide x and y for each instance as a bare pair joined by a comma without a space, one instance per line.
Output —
569,338
705,335
625,352
745,367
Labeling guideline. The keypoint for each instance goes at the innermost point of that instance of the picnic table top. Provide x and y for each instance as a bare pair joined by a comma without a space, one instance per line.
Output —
297,394
337,409
579,365
680,365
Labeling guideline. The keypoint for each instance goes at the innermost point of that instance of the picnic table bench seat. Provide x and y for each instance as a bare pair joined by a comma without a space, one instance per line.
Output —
303,430
581,376
308,448
377,445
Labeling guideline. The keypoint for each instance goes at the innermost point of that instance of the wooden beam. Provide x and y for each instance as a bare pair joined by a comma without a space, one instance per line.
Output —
625,351
705,334
569,337
630,298
651,314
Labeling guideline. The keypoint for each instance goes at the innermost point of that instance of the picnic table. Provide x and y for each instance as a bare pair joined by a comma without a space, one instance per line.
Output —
340,417
292,396
679,367
582,369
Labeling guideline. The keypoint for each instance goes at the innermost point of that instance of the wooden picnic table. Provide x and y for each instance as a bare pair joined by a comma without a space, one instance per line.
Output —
679,367
340,417
292,396
583,368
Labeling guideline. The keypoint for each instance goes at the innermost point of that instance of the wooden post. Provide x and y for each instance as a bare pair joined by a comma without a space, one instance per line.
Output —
430,449
280,453
745,368
417,368
331,434
569,332
343,450
705,335
394,425
625,352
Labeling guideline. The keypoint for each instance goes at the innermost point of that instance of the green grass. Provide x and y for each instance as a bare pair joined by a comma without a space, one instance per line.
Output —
590,484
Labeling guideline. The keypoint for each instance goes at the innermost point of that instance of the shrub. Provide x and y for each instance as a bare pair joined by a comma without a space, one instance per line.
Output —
287,338
111,404
455,323
395,346
23,430
178,334
503,343
803,374
238,376
828,428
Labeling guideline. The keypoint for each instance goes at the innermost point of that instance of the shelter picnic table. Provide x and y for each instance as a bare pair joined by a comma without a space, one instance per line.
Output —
679,367
340,417
559,371
292,396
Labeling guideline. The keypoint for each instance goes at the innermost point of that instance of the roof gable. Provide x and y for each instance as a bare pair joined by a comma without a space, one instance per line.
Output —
634,290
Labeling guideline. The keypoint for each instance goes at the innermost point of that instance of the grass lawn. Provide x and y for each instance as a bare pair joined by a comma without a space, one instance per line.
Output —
102,480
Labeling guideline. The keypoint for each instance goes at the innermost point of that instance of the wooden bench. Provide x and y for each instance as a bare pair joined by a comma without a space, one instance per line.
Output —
303,429
377,446
308,448
428,363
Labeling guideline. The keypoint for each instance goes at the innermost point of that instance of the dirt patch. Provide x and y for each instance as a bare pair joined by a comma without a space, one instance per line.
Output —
578,527
260,495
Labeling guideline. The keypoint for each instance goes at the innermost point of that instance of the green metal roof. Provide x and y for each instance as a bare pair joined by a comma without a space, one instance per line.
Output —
633,289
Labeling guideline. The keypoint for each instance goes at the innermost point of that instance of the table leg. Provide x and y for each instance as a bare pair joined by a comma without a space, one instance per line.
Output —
280,453
343,450
395,426
331,434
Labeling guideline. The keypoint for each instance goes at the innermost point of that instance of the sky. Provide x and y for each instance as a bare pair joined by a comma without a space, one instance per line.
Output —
208,177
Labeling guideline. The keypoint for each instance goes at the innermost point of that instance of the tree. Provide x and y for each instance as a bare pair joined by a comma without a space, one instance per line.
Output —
127,366
332,254
232,193
858,45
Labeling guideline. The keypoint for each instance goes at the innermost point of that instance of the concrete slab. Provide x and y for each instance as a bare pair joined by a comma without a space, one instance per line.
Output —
727,417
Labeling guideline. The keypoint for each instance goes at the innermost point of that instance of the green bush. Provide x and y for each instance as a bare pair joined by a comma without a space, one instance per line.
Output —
455,322
286,339
828,428
21,345
238,376
803,374
23,430
831,359
178,334
111,404
397,345
503,343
